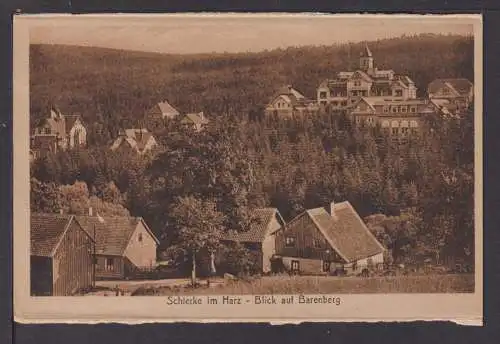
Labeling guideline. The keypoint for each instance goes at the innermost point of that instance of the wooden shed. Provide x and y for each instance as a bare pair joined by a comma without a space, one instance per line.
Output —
61,255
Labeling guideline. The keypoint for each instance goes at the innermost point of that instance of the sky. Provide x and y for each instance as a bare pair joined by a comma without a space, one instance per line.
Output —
190,34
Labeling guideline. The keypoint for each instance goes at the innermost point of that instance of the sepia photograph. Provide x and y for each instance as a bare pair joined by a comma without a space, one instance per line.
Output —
257,160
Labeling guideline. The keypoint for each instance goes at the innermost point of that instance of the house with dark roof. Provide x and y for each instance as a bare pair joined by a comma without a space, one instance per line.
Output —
58,132
124,245
367,81
458,91
260,238
140,141
321,241
288,102
196,121
60,255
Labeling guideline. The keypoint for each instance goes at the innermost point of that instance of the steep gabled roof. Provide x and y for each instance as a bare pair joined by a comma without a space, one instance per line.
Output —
461,85
362,74
136,138
366,52
196,118
166,109
47,231
289,94
258,230
346,232
70,121
113,235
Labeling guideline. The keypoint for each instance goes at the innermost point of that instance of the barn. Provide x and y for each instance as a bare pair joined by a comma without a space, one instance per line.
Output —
321,241
124,245
61,255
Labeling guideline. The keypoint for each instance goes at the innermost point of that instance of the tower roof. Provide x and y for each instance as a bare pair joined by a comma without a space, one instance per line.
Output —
366,52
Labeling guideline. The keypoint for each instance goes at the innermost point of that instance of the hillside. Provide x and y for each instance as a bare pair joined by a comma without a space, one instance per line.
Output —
113,88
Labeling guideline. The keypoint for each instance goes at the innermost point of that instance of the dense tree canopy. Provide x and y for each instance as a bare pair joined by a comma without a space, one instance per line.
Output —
242,160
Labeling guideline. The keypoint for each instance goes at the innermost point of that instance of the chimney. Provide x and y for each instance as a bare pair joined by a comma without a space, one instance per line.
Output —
289,88
91,211
332,209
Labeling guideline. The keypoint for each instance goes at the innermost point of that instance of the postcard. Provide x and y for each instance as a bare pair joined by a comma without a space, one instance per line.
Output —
247,168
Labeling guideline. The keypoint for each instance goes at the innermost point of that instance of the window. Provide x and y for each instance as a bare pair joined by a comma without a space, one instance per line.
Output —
323,102
47,130
395,131
403,109
399,93
322,94
357,83
394,109
413,109
317,243
295,266
386,109
326,266
289,241
139,237
354,266
405,130
109,264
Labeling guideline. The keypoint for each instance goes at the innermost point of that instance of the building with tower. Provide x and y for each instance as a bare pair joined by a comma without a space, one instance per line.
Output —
347,87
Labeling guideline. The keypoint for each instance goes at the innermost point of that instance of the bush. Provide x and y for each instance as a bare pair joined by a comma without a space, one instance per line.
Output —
238,260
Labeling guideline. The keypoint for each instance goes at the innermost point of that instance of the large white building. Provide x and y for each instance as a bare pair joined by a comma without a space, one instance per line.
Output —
346,88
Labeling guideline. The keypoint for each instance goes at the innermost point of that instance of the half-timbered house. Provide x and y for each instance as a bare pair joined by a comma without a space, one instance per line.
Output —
320,241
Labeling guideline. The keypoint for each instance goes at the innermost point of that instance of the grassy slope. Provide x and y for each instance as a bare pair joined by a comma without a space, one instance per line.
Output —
327,285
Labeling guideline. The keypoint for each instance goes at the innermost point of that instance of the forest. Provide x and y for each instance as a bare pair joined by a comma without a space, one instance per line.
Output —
417,198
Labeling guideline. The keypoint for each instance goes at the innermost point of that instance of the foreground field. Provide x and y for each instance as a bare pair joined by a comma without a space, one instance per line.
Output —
463,283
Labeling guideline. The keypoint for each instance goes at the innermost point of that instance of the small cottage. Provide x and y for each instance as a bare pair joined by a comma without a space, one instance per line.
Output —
458,91
156,116
124,245
321,241
140,141
163,110
288,102
260,238
61,255
196,121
